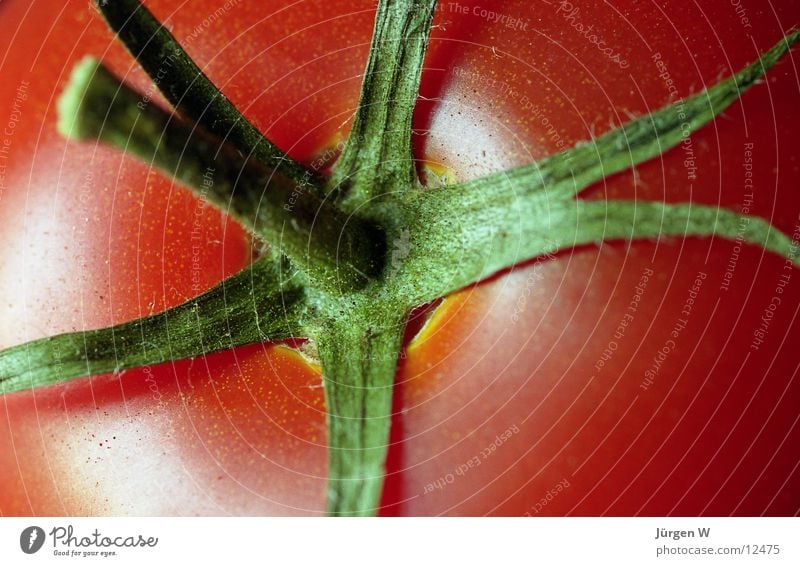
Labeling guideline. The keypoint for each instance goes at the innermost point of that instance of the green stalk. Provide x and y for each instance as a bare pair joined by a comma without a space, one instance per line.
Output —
377,158
263,302
191,92
466,232
567,173
359,355
457,241
342,252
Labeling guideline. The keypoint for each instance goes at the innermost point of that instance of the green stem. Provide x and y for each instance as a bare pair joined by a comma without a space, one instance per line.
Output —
462,237
378,157
191,92
341,251
263,302
359,355
591,221
460,234
565,174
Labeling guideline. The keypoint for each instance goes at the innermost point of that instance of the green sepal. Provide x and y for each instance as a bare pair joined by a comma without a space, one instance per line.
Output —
377,161
565,174
359,351
191,92
586,222
479,237
339,251
265,302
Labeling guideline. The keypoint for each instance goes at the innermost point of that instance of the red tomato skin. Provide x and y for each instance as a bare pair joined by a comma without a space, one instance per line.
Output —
231,434
714,434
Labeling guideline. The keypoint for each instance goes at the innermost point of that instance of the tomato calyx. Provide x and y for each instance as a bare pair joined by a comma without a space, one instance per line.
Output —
328,275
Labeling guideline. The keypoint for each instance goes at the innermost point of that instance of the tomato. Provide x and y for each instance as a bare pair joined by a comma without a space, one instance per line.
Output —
641,379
